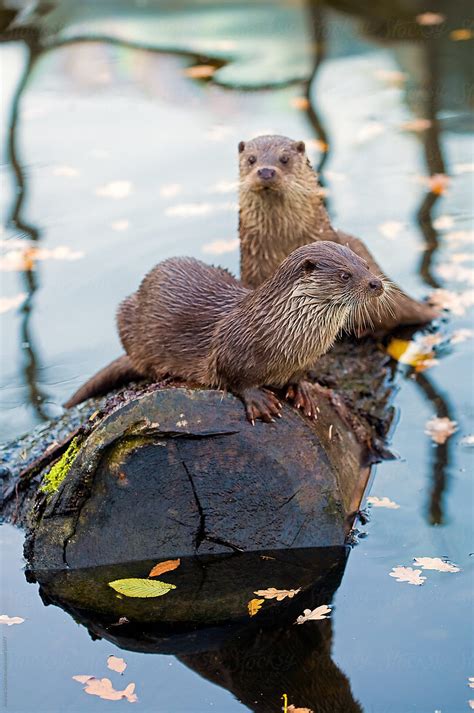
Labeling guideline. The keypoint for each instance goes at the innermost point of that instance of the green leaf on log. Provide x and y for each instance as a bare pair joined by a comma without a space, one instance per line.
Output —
142,588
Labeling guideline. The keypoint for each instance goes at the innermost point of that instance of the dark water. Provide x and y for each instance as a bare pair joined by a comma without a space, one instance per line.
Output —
114,158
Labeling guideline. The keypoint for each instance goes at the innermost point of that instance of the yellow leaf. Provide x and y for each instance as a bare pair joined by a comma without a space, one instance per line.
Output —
167,566
254,606
417,354
278,594
461,34
142,588
200,71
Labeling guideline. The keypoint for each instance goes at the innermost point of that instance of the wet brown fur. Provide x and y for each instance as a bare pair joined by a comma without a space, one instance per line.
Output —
196,322
281,213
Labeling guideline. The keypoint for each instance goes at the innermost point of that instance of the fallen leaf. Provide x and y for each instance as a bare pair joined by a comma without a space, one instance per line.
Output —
9,303
120,225
440,429
382,502
200,71
317,145
254,606
443,222
457,273
430,18
25,258
418,353
459,168
470,681
460,236
435,563
461,34
462,257
416,125
471,704
170,190
278,594
121,621
438,183
116,190
467,440
219,247
457,303
162,567
142,588
407,574
102,687
300,103
10,620
391,77
291,709
461,335
391,228
116,664
317,614
67,171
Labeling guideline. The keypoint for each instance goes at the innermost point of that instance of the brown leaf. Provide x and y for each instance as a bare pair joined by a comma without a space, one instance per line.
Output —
167,566
102,687
461,34
440,429
200,71
116,664
278,594
291,709
254,606
407,574
430,18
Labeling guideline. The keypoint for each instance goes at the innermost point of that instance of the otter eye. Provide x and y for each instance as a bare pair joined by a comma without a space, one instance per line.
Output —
283,159
252,159
345,276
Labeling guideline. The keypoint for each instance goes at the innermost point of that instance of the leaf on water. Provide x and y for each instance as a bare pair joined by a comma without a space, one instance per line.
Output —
430,18
457,273
141,588
102,687
443,222
170,190
437,183
407,574
382,502
460,236
67,171
278,594
317,145
10,620
26,257
200,71
440,429
471,704
9,303
167,566
470,681
254,606
462,257
418,354
436,563
301,103
416,125
120,225
390,229
461,335
467,440
219,247
317,614
116,664
455,302
115,189
461,34
459,168
291,709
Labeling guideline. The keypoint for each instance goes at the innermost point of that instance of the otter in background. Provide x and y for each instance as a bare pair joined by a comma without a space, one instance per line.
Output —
281,209
192,321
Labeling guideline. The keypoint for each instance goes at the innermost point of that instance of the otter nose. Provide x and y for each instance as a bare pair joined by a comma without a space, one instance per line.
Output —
266,173
376,286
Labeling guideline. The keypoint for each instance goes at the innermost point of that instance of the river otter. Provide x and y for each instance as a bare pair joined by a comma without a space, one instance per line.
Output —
281,209
199,323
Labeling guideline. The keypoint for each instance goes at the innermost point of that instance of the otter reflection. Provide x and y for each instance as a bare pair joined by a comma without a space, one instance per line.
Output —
208,628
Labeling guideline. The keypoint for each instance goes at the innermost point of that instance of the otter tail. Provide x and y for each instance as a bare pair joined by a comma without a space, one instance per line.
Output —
118,372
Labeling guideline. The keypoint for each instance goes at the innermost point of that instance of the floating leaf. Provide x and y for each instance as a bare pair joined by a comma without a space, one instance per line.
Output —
470,681
317,614
254,606
418,354
443,222
459,168
460,335
291,709
430,18
460,236
458,273
461,34
301,103
167,566
278,594
200,71
116,664
467,440
102,687
407,574
141,588
440,429
454,302
9,303
437,183
416,125
435,563
382,502
317,144
10,620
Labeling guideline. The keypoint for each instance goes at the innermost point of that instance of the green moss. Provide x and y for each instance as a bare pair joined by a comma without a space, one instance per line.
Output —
57,473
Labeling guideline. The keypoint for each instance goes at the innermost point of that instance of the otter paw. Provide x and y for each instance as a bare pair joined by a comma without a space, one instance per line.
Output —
303,396
260,403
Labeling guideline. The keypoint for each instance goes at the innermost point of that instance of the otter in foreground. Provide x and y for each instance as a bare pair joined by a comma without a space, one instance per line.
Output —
198,323
281,209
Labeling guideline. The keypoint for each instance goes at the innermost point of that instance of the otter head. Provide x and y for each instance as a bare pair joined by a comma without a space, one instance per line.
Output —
269,163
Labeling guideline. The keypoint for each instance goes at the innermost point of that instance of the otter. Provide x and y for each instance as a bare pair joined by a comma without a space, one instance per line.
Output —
281,209
196,322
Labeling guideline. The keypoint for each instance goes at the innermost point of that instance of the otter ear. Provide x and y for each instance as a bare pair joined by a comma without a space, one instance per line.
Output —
310,265
300,146
241,146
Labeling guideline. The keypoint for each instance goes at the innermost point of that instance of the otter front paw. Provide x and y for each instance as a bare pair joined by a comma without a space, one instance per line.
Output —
260,403
302,395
